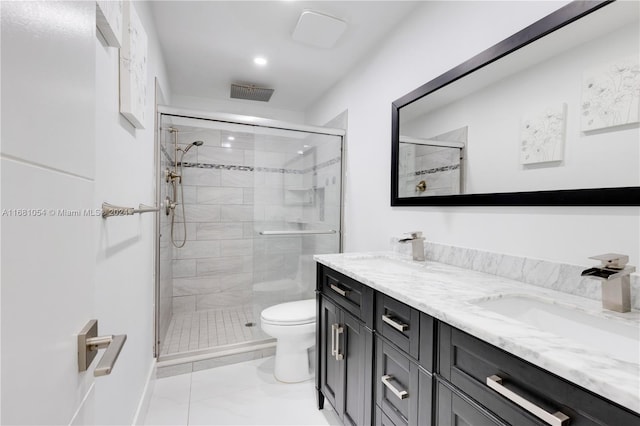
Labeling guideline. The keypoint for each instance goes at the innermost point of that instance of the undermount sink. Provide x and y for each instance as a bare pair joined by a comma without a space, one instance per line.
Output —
620,341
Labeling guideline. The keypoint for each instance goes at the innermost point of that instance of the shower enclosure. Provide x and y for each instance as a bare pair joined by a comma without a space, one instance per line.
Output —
246,204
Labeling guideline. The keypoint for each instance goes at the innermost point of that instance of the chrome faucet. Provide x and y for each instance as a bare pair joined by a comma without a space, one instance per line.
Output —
616,285
417,245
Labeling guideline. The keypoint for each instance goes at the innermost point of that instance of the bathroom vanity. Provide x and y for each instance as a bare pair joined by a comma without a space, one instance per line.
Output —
425,343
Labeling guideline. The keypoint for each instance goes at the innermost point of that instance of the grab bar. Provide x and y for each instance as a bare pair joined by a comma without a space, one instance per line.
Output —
308,232
109,210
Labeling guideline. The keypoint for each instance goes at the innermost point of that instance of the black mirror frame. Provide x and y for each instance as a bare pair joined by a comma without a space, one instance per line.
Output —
620,196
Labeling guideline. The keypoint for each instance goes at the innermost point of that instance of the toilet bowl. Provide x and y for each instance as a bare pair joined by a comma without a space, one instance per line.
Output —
293,324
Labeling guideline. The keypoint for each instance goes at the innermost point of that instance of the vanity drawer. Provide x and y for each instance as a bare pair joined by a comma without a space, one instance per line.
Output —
403,389
399,323
468,363
353,296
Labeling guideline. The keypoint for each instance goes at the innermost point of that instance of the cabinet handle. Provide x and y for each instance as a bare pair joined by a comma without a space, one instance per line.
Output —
333,339
338,290
402,394
397,325
554,419
339,331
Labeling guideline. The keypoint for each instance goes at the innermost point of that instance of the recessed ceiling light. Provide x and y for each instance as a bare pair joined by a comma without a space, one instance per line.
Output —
300,152
231,138
226,145
260,60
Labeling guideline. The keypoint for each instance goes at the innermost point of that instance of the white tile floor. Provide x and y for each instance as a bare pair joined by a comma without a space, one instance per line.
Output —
190,331
238,394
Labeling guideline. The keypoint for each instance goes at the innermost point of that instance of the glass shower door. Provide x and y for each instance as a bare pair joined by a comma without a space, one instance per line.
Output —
297,212
258,203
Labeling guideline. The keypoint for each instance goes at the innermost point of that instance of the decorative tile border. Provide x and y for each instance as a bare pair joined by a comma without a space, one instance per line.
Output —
258,169
437,170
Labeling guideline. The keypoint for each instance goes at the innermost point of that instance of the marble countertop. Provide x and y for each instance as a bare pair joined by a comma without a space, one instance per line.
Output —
450,294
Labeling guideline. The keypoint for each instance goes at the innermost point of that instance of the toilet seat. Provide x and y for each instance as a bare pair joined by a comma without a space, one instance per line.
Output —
291,313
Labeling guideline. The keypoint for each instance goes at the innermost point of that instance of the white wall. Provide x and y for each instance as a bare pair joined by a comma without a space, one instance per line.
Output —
437,37
125,245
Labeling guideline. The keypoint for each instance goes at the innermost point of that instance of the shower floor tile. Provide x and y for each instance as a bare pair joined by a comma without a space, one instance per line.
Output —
190,331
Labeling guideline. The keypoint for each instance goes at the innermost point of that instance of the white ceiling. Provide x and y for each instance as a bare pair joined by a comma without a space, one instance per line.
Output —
208,45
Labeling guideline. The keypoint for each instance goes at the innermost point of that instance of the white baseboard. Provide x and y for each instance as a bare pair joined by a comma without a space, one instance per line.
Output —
145,399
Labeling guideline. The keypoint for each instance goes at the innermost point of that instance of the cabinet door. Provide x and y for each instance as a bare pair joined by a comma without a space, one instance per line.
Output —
454,409
356,340
330,376
346,351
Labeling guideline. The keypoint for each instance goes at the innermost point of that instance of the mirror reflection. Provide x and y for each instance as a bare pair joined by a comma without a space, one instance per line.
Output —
559,113
432,166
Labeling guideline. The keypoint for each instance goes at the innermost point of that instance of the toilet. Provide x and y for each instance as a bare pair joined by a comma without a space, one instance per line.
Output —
293,324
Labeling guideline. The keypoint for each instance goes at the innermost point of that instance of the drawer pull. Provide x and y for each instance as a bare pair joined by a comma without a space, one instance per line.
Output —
554,419
402,394
397,325
338,290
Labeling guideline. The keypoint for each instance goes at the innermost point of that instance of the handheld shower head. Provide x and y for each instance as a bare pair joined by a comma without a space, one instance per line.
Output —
191,145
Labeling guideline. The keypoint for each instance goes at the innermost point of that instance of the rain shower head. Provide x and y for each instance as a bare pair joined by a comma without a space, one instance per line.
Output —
191,145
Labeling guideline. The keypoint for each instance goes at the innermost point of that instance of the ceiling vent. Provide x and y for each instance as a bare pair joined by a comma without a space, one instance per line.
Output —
250,92
318,29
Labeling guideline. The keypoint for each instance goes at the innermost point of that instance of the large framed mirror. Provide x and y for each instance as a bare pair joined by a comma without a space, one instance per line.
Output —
548,116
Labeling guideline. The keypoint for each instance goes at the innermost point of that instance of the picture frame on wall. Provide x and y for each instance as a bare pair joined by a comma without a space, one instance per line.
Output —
109,21
611,94
542,135
133,68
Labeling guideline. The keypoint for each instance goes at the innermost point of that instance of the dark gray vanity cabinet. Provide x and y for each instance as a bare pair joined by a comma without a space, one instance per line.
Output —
383,362
345,346
467,366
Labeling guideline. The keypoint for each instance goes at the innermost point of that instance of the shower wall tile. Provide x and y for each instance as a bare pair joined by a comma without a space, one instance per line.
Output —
236,178
249,158
223,265
220,195
278,245
268,262
212,284
195,285
248,196
232,282
266,195
184,268
235,213
199,213
201,177
198,249
236,247
223,300
270,159
189,194
248,230
221,231
184,304
226,156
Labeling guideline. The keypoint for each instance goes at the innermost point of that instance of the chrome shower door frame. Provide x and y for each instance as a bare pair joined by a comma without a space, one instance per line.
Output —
164,110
